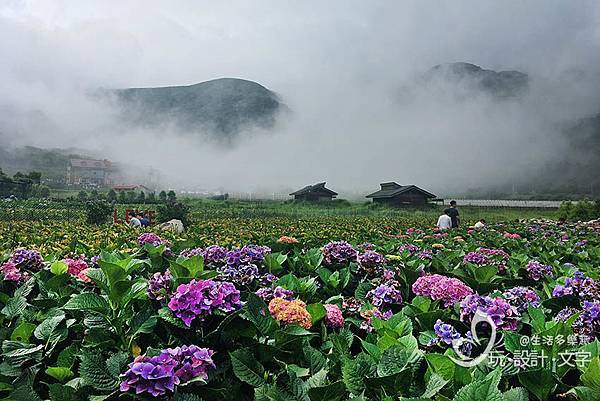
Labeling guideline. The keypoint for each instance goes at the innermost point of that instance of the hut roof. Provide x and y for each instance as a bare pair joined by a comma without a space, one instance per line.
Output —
319,187
391,189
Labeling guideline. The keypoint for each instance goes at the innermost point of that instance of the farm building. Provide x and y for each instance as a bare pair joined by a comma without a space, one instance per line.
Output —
90,172
401,195
313,193
133,188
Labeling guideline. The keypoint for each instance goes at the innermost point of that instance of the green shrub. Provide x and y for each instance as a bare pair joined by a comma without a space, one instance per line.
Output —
581,211
174,210
98,212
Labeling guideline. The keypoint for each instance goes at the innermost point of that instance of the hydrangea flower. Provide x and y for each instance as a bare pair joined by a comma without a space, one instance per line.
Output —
12,273
290,312
76,267
352,306
267,293
371,262
536,271
239,274
188,253
369,314
214,255
438,287
512,236
339,253
586,288
426,255
504,315
159,375
159,285
333,318
200,298
445,332
284,239
27,259
151,239
476,258
521,298
410,248
385,295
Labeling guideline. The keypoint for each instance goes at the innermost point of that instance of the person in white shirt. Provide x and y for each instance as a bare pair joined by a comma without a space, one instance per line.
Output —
480,224
134,221
444,222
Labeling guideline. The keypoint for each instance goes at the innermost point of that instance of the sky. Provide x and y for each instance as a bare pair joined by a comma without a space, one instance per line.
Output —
348,71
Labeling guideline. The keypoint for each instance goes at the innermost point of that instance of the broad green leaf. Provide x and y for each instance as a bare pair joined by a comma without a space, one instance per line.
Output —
354,372
16,353
538,320
166,315
315,359
61,374
331,392
66,358
87,301
539,382
434,385
516,394
442,365
14,307
46,330
94,372
59,267
24,393
23,332
317,312
479,390
247,368
60,392
259,315
591,377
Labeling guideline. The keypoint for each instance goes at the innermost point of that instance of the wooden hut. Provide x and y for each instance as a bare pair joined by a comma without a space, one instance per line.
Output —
314,193
394,194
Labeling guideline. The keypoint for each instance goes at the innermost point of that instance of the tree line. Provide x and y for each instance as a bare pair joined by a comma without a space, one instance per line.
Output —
127,197
23,186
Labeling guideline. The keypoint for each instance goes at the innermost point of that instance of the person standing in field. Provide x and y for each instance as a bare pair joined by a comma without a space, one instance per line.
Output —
444,222
452,211
134,221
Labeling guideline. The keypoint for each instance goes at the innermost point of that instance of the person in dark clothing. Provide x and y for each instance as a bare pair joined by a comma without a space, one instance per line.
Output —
144,220
452,211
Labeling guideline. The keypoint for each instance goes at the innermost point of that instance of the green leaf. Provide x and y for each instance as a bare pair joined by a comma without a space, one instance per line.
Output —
342,341
259,315
66,358
60,392
94,372
59,267
60,373
247,368
354,372
539,382
315,359
331,392
118,292
442,365
434,385
394,359
166,315
99,278
14,307
87,301
23,332
538,320
46,330
317,312
516,394
479,390
16,353
24,393
591,377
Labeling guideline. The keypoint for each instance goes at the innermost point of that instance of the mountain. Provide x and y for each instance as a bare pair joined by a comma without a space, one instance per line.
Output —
223,107
500,84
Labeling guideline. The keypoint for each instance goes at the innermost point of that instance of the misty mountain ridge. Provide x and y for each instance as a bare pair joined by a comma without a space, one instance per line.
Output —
221,107
499,84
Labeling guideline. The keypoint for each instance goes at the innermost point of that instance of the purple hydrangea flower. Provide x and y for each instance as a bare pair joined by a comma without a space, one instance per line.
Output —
445,332
200,298
27,259
504,315
410,248
159,375
239,274
476,258
585,288
438,287
188,253
151,239
385,295
371,262
214,255
521,298
159,285
333,318
426,255
339,253
536,271
12,273
267,294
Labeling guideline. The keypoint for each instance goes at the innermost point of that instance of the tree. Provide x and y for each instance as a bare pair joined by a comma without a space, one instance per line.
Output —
35,177
141,198
82,195
162,196
151,197
122,197
41,191
94,194
171,197
130,196
174,210
111,196
98,212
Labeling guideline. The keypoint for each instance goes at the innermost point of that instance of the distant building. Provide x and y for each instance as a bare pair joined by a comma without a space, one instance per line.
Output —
134,188
314,193
90,172
401,195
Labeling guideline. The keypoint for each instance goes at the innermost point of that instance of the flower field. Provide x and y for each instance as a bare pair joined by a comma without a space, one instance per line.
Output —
336,309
